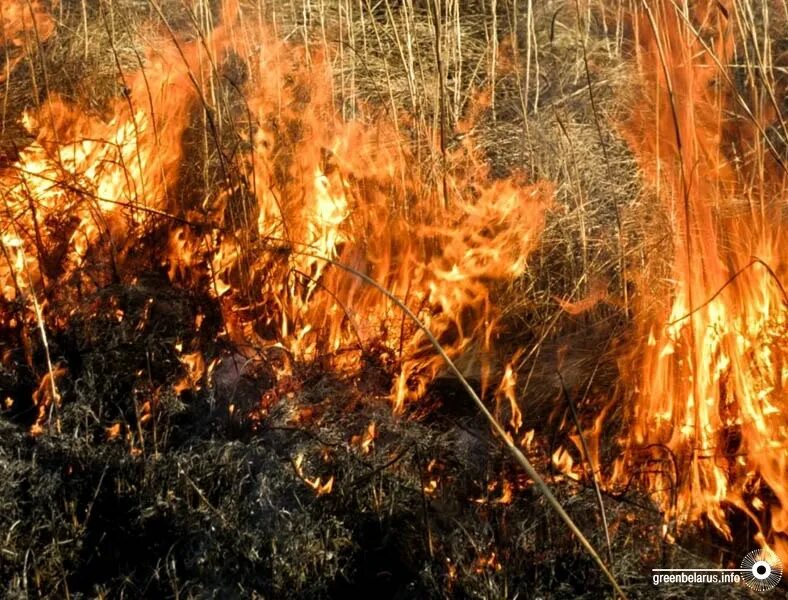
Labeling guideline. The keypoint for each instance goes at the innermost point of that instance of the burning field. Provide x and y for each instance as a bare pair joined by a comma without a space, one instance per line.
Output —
408,298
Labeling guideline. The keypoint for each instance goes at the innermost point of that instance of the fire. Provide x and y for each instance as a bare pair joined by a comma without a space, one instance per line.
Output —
280,228
507,390
432,477
195,367
708,424
88,186
46,398
563,461
23,25
320,487
91,195
507,493
113,432
487,563
366,441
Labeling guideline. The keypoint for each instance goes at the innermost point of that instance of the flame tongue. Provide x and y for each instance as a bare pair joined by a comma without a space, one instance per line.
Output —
23,24
710,407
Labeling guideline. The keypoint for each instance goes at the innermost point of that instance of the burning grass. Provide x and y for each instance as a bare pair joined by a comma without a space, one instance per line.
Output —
209,500
242,242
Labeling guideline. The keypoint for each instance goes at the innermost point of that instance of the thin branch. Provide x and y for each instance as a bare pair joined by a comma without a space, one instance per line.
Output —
591,466
755,261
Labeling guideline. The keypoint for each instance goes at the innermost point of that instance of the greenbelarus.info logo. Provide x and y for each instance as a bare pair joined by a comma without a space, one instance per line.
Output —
760,570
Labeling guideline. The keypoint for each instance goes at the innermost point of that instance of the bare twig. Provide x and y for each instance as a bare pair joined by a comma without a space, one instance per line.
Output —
591,467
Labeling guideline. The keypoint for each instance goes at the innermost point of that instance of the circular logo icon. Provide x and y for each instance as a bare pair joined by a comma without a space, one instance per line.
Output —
762,570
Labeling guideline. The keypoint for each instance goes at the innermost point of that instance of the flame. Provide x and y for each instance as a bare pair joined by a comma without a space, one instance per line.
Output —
507,493
507,389
195,369
320,487
90,200
23,25
528,439
709,394
46,398
564,463
487,563
276,229
87,185
366,441
432,478
113,432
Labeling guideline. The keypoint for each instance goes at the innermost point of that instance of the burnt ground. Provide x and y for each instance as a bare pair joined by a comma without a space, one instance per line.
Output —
195,499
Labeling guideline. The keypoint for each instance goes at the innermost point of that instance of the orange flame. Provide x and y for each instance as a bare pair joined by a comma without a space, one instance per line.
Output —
23,25
320,487
113,432
305,190
710,392
366,441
